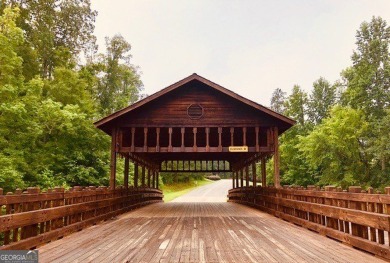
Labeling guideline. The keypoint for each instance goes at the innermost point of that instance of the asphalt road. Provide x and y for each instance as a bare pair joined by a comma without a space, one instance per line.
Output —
214,192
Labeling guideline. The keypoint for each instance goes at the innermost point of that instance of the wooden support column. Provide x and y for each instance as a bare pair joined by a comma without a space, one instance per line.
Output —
149,174
254,174
237,181
242,177
183,130
113,159
244,136
195,147
276,158
132,140
219,139
158,139
247,176
143,176
170,140
232,136
207,139
233,179
154,179
257,130
157,175
126,173
135,174
263,172
145,139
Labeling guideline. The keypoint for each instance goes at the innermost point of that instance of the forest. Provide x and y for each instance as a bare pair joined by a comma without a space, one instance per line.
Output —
54,84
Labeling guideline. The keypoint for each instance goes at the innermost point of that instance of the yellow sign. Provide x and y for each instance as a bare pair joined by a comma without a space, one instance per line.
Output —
238,148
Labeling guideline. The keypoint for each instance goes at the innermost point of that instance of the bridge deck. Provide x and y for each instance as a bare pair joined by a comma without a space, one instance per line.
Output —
198,232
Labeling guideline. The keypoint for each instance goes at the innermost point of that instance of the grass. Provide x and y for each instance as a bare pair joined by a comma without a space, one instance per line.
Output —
172,191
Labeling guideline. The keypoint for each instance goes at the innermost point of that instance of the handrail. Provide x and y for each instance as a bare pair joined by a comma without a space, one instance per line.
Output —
361,220
32,218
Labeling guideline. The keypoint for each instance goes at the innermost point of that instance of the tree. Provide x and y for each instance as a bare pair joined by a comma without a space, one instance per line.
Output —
368,80
56,32
278,100
322,98
118,82
333,148
296,105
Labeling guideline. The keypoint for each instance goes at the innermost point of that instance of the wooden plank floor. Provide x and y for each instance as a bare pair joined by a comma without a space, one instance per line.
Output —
198,232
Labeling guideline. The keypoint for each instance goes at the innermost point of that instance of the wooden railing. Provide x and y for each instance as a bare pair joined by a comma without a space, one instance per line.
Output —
361,220
33,218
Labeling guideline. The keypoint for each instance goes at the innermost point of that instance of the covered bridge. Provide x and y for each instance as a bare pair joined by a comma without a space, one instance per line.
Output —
194,125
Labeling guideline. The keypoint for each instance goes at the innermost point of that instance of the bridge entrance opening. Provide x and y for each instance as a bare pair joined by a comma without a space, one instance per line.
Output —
195,125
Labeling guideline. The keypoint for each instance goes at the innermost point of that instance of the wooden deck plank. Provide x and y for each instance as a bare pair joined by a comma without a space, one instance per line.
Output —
198,232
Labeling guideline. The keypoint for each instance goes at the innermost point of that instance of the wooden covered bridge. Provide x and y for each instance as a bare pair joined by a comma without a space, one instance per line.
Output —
196,125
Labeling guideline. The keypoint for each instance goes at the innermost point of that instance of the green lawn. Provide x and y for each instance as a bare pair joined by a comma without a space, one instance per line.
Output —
175,190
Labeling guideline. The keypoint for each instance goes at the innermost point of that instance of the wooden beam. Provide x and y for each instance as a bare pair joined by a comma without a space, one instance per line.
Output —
126,173
113,159
276,158
143,176
244,136
237,181
154,179
132,139
257,131
183,131
158,139
135,174
170,139
232,136
220,139
157,184
207,139
254,174
242,177
145,139
247,176
149,174
263,172
195,130
233,179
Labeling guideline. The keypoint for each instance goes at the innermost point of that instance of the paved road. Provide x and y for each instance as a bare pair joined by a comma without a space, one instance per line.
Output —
214,192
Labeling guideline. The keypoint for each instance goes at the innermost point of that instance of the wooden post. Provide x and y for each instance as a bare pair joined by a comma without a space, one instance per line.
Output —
157,184
145,139
195,147
276,158
170,140
132,140
135,174
254,175
207,139
153,179
143,176
232,136
113,159
219,139
157,139
257,139
247,176
237,181
183,130
242,177
234,182
263,172
126,173
244,136
149,178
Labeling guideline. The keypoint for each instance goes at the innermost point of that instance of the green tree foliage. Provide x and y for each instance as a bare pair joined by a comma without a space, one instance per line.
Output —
56,32
47,136
278,100
117,82
296,105
322,98
333,148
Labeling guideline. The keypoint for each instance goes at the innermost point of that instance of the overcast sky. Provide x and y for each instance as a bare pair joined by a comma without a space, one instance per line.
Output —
249,47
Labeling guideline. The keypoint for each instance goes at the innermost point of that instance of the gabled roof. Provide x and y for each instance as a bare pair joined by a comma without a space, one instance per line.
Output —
180,83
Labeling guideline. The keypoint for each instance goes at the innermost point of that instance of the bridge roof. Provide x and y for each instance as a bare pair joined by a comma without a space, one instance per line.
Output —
280,120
